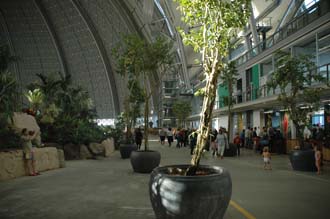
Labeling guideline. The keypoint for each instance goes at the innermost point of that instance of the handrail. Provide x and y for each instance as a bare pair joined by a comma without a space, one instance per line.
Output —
311,14
255,93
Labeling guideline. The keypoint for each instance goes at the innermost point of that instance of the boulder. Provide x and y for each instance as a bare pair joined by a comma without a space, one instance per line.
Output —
109,146
53,145
46,158
96,149
71,151
85,153
61,159
12,164
23,120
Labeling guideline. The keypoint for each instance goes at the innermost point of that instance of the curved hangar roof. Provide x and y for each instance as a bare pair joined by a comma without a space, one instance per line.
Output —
76,37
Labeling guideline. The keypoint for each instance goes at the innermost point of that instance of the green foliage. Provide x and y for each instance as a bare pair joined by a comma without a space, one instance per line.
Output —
294,76
200,92
181,110
6,58
116,132
139,59
8,138
50,113
8,100
48,86
8,95
211,24
35,98
67,114
229,77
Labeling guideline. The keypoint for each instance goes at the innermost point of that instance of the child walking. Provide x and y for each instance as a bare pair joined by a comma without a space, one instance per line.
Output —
318,158
266,157
237,142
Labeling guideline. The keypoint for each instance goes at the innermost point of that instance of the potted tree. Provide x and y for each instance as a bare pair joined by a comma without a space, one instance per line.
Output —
181,110
294,76
200,191
139,60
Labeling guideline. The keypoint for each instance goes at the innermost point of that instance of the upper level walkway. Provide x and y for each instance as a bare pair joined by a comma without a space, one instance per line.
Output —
108,188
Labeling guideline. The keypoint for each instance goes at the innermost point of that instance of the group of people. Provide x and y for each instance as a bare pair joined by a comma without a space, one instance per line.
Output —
219,141
256,139
181,136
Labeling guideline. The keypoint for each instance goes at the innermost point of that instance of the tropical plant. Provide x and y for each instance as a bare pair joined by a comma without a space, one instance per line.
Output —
139,59
8,95
35,97
6,58
229,77
210,26
116,132
294,76
67,114
8,99
48,85
181,110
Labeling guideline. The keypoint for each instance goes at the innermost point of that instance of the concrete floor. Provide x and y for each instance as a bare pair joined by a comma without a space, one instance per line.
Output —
108,188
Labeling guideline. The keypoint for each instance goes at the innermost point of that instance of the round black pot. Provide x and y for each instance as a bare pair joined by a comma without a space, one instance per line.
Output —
145,161
190,197
126,149
303,160
231,151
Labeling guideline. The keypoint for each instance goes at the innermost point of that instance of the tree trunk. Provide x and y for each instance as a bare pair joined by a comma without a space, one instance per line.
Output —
229,123
299,133
206,117
230,104
146,121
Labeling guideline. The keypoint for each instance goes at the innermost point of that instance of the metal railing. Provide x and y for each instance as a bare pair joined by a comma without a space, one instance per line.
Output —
255,93
298,23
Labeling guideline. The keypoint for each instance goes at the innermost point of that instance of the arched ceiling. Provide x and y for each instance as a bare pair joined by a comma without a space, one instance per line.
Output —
77,37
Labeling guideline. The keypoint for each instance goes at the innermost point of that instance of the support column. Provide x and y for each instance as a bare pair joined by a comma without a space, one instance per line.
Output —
253,28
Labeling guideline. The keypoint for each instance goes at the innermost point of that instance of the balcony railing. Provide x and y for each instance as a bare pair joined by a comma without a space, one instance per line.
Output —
314,12
255,93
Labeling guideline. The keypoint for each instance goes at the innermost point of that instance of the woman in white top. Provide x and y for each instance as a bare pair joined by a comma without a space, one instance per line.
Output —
169,135
221,142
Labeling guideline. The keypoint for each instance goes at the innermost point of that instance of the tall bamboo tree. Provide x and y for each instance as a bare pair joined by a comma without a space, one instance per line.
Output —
211,24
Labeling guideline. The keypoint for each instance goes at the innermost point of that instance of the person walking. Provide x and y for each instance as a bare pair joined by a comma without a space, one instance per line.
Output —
193,141
266,157
237,142
318,158
221,142
138,137
169,135
162,135
213,146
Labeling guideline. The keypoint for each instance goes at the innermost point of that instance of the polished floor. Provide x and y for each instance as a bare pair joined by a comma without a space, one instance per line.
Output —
108,188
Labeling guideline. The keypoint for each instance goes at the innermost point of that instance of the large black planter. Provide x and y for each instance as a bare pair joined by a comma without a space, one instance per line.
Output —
190,197
126,149
231,151
303,160
145,161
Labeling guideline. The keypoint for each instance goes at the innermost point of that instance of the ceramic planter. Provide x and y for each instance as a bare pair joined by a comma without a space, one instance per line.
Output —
144,161
190,197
